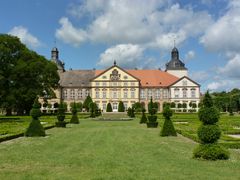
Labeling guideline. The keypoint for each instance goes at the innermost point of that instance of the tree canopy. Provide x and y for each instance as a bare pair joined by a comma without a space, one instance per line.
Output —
24,75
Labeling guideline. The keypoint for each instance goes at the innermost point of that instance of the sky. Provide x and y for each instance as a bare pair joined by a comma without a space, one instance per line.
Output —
137,34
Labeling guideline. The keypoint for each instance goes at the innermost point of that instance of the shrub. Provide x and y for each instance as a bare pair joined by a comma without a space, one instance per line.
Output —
152,118
86,103
109,107
151,108
92,109
208,115
121,107
209,133
35,128
210,152
61,116
74,119
168,128
143,118
137,106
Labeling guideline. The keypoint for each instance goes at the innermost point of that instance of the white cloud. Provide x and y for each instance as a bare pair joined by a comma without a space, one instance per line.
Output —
70,34
224,35
231,69
153,23
189,56
126,55
25,37
224,85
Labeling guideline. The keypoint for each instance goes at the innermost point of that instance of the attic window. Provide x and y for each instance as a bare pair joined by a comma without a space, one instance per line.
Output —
146,82
125,77
104,77
160,82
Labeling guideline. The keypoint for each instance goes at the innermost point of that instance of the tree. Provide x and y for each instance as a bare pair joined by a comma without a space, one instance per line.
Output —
93,109
24,75
86,103
168,128
109,107
78,105
121,107
35,128
74,119
137,106
209,132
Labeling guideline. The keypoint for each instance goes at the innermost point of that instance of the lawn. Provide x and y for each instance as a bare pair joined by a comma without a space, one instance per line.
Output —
109,150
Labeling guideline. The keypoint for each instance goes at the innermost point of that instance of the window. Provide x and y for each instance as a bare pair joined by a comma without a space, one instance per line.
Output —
184,92
104,77
125,93
80,95
149,93
157,94
104,106
193,93
97,93
104,94
115,106
132,83
142,93
125,77
104,84
176,93
132,93
114,94
125,84
65,94
165,93
114,83
97,83
72,94
86,92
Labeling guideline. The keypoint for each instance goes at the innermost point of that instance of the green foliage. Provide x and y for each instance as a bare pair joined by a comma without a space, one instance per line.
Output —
152,118
24,74
143,118
210,152
74,119
137,106
130,112
86,103
208,115
78,105
61,116
93,110
35,128
167,112
168,128
109,107
121,107
166,104
209,133
152,107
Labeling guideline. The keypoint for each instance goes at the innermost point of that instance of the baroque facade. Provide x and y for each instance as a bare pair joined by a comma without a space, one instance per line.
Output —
128,85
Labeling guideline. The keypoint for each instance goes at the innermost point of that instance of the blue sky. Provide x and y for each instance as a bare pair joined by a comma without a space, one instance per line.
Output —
137,33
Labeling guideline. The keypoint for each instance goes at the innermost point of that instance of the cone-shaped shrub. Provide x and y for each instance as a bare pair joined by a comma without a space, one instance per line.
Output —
109,107
209,132
168,128
93,109
61,116
121,107
74,119
143,118
86,103
35,128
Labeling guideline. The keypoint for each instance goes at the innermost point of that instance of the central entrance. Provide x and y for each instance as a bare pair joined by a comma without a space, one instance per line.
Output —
115,107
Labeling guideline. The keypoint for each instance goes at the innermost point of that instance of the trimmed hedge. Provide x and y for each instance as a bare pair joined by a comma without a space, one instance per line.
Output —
168,128
209,133
74,119
143,118
121,107
109,107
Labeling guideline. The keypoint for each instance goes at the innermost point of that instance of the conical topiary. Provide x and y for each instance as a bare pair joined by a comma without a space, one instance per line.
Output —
61,116
152,118
74,119
121,107
168,128
143,118
209,132
109,107
35,128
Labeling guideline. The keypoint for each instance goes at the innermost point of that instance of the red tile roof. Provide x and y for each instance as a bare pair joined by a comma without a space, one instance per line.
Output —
150,78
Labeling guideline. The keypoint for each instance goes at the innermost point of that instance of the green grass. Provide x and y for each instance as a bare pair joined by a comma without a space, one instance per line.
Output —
109,150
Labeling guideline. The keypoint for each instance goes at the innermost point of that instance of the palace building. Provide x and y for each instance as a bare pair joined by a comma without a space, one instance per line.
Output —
128,85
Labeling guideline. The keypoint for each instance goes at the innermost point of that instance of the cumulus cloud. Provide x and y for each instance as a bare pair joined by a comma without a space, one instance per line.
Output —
199,76
25,37
231,69
153,23
126,55
223,85
70,34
